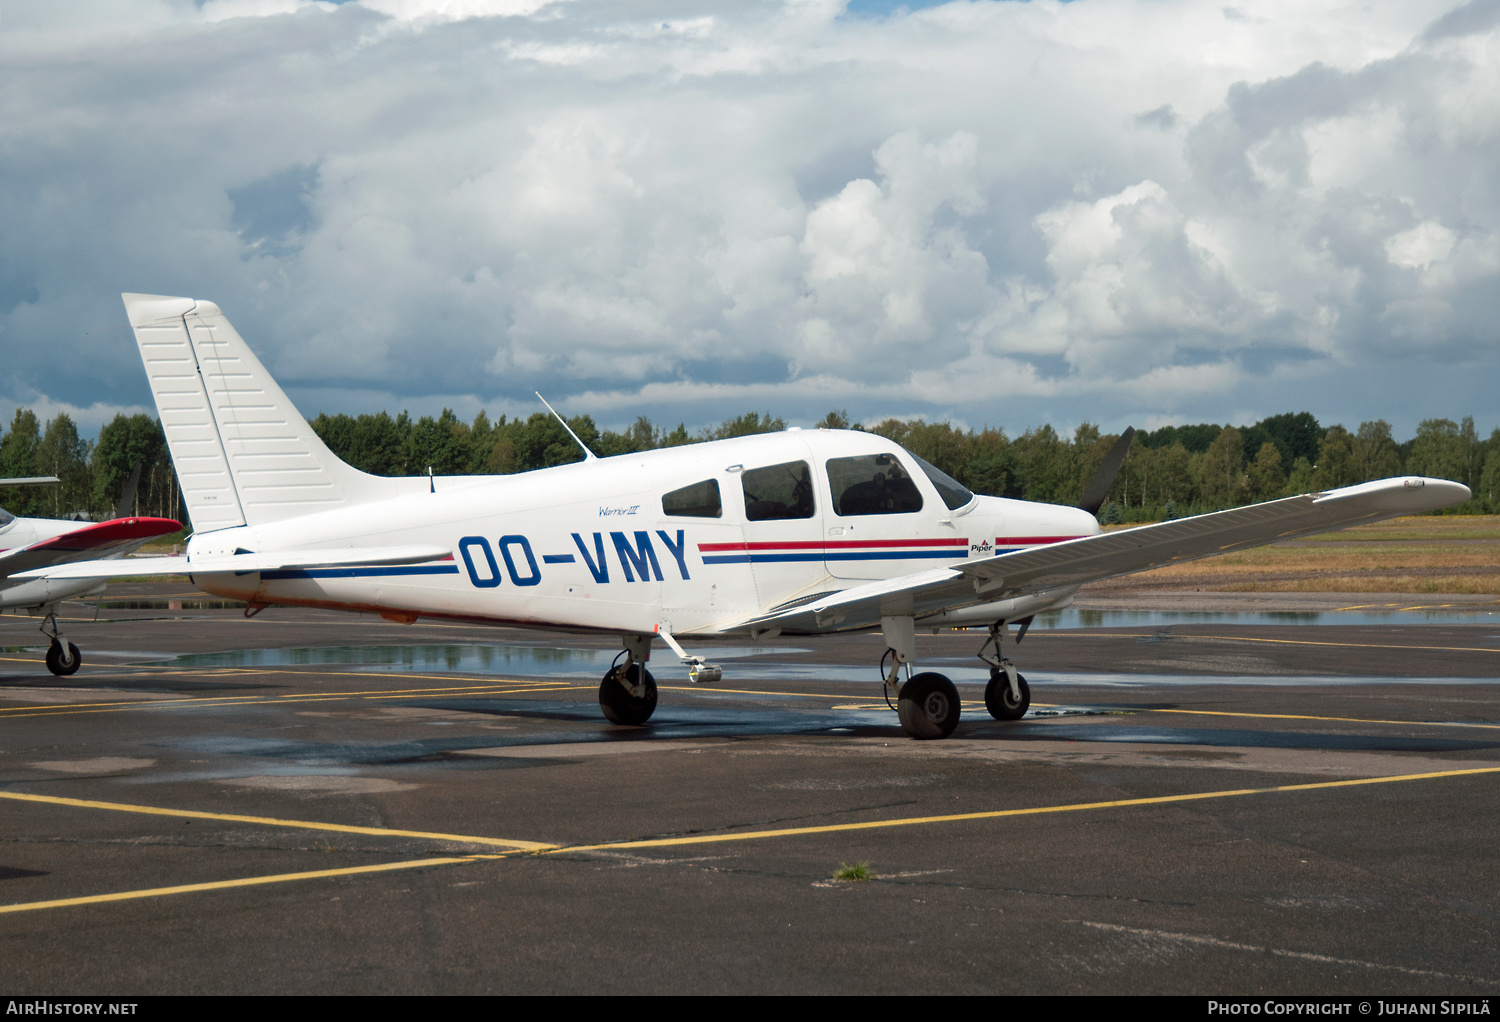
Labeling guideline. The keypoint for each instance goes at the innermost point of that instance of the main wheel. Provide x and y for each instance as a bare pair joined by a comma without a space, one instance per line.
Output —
999,701
619,706
928,706
63,660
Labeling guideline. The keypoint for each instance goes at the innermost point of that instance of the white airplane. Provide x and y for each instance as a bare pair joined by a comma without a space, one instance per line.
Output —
795,533
32,543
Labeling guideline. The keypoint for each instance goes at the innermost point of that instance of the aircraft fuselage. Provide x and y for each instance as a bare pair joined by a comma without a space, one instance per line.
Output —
693,538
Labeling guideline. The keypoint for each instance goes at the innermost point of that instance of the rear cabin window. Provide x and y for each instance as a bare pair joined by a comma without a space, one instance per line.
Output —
700,500
872,484
5,518
778,491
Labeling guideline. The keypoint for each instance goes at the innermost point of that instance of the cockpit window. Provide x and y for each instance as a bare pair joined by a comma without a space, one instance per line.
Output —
5,518
954,493
779,491
700,500
872,484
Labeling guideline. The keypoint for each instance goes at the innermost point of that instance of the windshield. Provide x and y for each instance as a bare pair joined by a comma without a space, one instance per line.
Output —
5,518
954,493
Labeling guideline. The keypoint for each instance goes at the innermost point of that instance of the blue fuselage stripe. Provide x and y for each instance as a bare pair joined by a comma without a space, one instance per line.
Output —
290,573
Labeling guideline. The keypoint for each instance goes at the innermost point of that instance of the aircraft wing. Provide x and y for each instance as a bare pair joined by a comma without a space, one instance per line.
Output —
245,563
1121,552
110,539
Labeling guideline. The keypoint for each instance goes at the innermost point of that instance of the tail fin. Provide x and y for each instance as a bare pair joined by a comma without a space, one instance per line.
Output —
243,453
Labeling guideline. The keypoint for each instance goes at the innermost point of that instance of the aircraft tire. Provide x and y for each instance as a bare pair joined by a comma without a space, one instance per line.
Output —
63,663
998,700
619,706
928,706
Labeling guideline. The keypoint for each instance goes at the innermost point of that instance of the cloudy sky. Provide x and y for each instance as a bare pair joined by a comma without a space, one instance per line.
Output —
999,213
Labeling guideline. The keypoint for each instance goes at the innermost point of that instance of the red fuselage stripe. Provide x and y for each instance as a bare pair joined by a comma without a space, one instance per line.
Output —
838,544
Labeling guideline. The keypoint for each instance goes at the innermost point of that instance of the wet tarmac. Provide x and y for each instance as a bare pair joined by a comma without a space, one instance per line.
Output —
311,802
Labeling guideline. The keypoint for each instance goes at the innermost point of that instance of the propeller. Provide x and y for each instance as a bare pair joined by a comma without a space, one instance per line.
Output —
127,497
1098,487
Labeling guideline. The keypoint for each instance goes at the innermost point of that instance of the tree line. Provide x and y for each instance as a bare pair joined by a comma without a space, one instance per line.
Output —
1170,472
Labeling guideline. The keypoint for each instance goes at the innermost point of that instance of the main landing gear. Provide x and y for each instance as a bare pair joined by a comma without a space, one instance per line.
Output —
928,703
627,695
63,657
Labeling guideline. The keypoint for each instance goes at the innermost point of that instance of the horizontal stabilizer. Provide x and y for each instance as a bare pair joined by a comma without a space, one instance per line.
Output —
100,539
244,564
30,481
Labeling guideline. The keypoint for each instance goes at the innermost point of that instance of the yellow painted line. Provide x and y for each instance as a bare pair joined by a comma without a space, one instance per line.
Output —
537,688
211,702
220,885
703,839
1345,720
267,821
755,692
1347,645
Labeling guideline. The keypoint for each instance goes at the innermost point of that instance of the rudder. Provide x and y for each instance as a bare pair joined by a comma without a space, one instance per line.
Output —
243,453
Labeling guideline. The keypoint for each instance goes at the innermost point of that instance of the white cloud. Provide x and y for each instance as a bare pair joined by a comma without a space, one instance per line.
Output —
1142,210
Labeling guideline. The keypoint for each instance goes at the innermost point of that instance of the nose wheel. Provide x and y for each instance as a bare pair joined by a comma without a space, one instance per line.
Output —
63,657
627,695
1003,702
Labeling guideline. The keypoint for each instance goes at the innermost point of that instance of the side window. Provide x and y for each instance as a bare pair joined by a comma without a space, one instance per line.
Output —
872,484
700,500
954,493
780,491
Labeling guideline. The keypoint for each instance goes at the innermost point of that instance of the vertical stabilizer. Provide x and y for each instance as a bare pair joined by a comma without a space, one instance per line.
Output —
244,454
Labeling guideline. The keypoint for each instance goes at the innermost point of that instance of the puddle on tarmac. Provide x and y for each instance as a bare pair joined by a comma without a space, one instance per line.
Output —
741,664
528,661
190,604
1397,614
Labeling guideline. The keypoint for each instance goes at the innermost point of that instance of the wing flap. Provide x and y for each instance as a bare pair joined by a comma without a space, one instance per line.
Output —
1110,554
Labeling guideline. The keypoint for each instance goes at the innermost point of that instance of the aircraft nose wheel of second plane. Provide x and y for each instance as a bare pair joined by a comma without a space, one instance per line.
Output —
627,695
63,658
928,706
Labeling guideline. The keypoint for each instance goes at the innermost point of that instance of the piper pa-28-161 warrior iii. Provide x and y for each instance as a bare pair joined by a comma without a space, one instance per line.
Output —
796,533
33,543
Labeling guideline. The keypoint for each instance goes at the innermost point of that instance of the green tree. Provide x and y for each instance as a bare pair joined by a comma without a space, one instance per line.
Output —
1295,434
1489,479
1221,480
124,442
745,425
990,470
64,454
1338,463
18,451
1439,450
1041,465
1375,451
1299,480
441,444
1267,479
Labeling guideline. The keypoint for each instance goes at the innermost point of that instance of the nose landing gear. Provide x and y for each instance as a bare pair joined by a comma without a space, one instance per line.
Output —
627,695
1007,696
63,657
